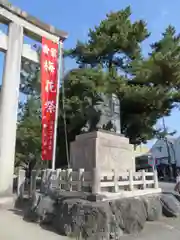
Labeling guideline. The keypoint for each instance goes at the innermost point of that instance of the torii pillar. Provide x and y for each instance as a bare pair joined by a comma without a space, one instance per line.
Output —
19,23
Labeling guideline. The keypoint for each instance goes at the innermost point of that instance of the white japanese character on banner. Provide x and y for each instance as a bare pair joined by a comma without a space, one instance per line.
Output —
50,86
49,66
51,127
44,152
50,106
46,65
45,144
45,49
53,52
44,125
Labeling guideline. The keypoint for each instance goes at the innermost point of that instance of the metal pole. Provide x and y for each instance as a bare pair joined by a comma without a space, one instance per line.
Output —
168,151
153,167
57,104
172,147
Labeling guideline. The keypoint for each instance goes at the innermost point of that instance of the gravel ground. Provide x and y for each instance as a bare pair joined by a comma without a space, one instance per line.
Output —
12,227
163,230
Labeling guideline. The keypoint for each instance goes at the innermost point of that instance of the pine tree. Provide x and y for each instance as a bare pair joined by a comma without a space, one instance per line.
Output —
146,87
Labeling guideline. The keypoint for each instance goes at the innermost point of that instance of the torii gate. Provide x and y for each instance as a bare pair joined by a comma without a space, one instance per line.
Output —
19,23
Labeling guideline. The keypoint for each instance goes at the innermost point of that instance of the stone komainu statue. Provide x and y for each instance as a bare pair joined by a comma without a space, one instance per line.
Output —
105,116
110,114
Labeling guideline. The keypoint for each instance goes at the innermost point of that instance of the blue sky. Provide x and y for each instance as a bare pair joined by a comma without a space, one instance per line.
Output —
76,17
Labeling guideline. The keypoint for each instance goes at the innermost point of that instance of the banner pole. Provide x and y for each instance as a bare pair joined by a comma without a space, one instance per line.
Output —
57,103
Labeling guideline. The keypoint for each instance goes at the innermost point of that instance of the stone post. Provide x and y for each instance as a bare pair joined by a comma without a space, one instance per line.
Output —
96,181
9,106
116,179
144,179
131,186
21,182
33,183
156,183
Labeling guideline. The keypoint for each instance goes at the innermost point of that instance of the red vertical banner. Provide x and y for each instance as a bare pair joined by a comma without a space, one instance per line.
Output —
49,81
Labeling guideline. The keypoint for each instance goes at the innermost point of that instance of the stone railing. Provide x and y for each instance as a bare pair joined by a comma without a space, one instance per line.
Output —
83,181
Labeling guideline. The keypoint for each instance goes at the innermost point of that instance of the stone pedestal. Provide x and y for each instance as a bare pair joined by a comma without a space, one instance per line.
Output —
103,150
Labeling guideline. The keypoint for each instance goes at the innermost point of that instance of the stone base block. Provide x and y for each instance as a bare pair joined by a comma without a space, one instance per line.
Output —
103,150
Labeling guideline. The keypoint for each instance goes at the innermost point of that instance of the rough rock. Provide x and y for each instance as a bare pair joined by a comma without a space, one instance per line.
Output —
153,207
176,195
130,214
71,214
30,212
170,205
46,209
22,203
95,197
77,217
41,207
177,187
58,194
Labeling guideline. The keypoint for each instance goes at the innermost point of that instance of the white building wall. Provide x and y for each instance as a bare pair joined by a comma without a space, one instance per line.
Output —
177,150
159,151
